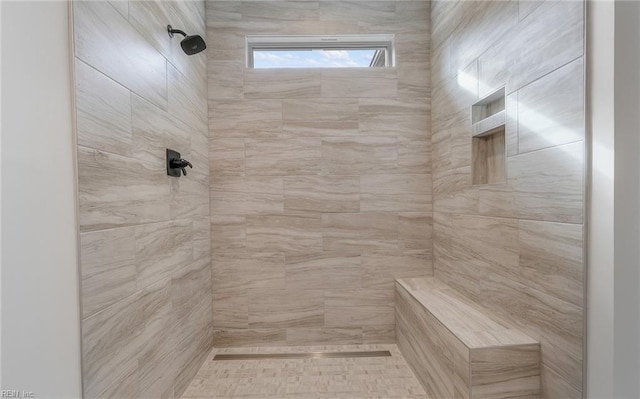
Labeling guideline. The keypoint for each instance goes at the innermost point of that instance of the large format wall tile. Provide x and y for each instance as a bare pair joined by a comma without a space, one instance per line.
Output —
321,194
555,29
352,231
373,82
155,130
100,32
108,268
282,157
145,241
549,183
281,83
515,247
245,118
103,112
118,191
284,233
359,155
551,258
312,170
551,109
387,116
321,117
324,270
162,248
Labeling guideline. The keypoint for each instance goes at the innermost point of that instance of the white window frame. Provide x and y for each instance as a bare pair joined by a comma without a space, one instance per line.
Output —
382,42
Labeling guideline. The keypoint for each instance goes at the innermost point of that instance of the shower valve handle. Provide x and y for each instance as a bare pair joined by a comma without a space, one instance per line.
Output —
182,164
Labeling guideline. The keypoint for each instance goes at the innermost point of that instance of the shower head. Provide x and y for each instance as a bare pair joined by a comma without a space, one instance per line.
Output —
190,44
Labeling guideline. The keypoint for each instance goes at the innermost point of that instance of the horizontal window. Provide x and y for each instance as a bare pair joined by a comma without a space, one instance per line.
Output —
343,51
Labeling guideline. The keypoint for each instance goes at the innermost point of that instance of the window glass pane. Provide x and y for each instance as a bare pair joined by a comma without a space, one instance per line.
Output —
314,58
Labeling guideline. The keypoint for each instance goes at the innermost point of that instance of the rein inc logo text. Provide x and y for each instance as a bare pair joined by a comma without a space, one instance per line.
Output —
15,393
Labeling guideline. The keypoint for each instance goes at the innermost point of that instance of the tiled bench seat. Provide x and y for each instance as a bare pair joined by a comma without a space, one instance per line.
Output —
457,349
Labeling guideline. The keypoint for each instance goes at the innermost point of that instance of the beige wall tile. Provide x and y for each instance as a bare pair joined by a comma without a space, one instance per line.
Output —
281,83
358,307
249,337
284,232
452,99
415,230
551,109
551,259
388,116
244,195
555,323
238,273
230,310
137,66
519,371
121,6
511,124
454,193
155,130
321,194
320,117
148,307
103,111
549,183
352,156
498,200
351,11
481,25
108,269
413,80
162,248
359,82
225,79
488,243
118,191
330,336
157,349
190,195
110,344
245,118
319,130
226,156
379,334
224,42
281,157
381,269
187,101
292,307
227,232
279,12
353,231
527,6
554,29
150,19
414,155
323,270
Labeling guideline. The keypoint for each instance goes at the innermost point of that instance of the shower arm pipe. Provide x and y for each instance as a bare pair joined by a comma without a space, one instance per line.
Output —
172,31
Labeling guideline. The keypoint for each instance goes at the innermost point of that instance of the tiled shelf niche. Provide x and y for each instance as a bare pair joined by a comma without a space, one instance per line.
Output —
488,118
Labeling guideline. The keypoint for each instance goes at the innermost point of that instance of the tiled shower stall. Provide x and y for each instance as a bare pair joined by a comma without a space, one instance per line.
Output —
314,190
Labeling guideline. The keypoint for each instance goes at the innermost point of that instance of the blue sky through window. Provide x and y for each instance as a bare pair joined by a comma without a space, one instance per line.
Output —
312,58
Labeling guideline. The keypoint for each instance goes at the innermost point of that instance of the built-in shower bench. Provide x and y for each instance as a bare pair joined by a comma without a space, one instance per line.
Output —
457,349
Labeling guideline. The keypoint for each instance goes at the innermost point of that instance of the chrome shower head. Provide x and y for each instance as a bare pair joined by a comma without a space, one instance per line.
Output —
190,44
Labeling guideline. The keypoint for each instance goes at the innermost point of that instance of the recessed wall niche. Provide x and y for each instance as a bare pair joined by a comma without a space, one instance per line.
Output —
488,118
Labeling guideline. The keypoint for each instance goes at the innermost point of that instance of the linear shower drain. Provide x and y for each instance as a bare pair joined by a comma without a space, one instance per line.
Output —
301,355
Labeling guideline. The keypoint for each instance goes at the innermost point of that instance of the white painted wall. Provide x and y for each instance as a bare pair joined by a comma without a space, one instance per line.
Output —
613,333
40,306
600,107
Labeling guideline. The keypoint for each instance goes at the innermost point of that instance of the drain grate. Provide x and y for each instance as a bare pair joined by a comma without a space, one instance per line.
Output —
302,355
